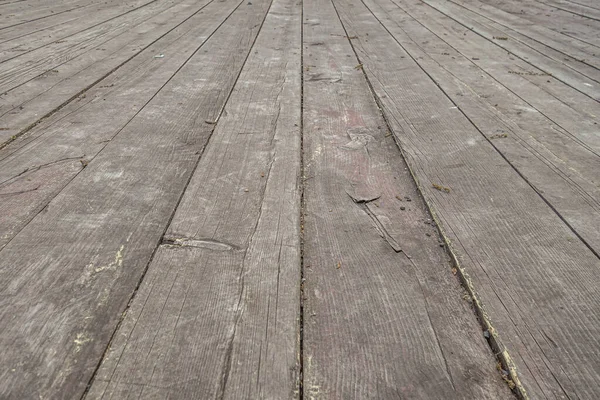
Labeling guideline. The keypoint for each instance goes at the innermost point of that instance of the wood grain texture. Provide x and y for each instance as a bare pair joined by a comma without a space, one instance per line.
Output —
22,67
536,281
587,3
556,164
61,300
32,34
574,8
241,199
217,315
572,112
107,21
35,168
26,104
572,52
17,13
535,62
383,315
566,23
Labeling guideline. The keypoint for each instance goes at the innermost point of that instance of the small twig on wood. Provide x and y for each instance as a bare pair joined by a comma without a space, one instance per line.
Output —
441,188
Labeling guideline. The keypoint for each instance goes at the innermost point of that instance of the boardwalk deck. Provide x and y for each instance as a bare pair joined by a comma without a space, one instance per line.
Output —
320,199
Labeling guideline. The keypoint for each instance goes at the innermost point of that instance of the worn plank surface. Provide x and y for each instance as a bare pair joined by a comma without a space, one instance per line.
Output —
540,37
236,233
574,8
570,110
566,23
379,292
536,64
528,269
244,199
38,165
554,161
22,60
25,37
17,13
33,99
61,300
42,80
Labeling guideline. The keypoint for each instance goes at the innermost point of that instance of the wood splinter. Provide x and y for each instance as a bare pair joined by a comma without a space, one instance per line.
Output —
441,188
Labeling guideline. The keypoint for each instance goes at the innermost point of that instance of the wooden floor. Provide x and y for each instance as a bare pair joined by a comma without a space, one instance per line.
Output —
285,199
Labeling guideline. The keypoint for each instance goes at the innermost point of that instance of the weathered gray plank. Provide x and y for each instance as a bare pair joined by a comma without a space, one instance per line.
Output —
573,8
383,315
576,54
74,30
43,29
19,13
32,100
166,355
36,168
587,3
572,112
218,312
10,4
24,66
47,59
539,62
552,161
536,281
568,24
84,19
61,299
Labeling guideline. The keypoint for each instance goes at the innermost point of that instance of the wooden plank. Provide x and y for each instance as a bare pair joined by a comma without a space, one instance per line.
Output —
8,2
573,8
379,293
33,100
536,282
515,20
217,315
587,3
25,64
19,13
26,37
540,62
180,322
571,52
551,160
10,36
569,110
60,301
35,169
49,25
565,23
